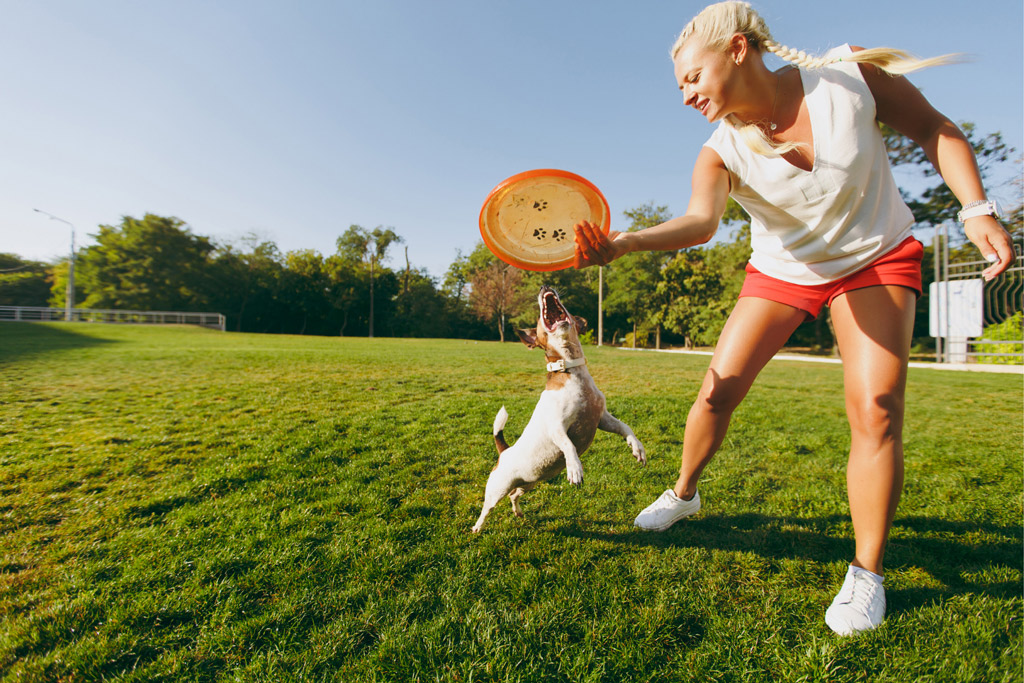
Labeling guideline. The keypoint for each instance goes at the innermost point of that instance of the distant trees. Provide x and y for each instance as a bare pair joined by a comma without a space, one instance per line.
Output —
678,298
23,282
153,263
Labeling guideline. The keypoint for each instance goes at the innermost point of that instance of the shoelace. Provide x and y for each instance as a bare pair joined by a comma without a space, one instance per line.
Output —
666,502
862,592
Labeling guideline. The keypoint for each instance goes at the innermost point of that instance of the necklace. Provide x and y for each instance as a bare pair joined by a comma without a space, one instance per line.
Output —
771,123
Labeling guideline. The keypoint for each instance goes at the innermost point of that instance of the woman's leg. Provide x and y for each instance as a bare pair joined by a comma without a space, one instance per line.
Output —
756,330
874,327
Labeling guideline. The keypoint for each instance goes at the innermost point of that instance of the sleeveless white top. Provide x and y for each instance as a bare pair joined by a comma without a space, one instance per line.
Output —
817,226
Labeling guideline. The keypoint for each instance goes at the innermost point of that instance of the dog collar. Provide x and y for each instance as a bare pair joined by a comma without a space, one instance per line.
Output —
563,365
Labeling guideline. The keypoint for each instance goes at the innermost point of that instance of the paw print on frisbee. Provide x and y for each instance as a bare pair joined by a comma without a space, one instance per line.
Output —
527,219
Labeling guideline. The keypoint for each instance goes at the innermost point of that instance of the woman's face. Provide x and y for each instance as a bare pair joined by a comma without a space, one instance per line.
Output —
705,78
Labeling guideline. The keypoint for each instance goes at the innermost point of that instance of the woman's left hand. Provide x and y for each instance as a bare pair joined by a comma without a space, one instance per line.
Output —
993,242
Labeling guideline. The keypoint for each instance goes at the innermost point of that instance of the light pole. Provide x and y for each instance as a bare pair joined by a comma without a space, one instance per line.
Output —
69,298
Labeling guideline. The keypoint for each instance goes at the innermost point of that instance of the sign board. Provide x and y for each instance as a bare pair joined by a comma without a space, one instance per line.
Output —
965,312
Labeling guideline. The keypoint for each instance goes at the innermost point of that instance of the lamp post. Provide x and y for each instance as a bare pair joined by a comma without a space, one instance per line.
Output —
69,298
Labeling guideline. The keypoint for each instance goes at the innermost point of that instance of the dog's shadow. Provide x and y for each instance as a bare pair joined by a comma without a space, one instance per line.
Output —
926,542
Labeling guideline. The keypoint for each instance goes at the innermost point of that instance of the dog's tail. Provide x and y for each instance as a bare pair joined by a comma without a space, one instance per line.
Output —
499,429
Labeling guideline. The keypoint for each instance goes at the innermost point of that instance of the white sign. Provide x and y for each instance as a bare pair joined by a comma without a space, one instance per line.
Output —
964,313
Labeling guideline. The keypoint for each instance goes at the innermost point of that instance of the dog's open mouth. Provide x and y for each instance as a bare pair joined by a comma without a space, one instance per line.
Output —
552,312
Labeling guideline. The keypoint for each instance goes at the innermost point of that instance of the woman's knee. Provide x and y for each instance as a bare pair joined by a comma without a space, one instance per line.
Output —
879,416
721,394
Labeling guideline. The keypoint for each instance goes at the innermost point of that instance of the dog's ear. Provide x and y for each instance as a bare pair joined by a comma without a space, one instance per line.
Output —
528,337
581,324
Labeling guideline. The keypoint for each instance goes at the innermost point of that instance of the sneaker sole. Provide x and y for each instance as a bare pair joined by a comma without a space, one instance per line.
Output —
665,526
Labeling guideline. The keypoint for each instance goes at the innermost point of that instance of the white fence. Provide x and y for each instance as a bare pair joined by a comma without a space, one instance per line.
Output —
214,321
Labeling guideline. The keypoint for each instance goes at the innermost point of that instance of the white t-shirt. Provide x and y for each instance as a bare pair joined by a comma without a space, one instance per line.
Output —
817,226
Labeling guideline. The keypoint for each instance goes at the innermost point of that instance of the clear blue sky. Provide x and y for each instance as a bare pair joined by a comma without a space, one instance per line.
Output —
296,119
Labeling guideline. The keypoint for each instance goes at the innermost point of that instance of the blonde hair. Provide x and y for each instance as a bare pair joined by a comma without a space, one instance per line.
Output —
716,24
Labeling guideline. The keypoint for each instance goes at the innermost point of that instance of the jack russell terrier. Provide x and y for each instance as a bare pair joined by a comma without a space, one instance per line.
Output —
570,410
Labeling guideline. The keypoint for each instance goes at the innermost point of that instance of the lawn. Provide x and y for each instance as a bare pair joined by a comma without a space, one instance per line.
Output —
179,504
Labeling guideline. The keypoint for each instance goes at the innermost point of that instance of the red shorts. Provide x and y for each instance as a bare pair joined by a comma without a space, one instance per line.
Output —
900,266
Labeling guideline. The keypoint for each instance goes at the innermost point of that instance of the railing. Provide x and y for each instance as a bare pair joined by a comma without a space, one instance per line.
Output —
995,301
214,321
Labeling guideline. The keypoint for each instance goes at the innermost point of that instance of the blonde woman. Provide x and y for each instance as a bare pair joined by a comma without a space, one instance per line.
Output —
800,150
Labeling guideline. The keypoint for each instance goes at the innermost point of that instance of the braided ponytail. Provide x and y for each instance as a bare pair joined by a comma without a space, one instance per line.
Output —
892,61
716,24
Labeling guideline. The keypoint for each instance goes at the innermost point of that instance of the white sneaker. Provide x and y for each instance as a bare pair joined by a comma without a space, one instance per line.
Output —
666,511
859,605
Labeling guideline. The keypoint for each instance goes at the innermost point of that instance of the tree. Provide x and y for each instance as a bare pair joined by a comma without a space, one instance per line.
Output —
152,263
23,282
305,286
369,247
497,293
247,286
633,279
936,204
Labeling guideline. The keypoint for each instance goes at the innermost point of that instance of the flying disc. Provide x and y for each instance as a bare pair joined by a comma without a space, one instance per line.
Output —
527,220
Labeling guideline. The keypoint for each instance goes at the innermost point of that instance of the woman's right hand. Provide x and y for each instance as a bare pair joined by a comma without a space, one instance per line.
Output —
994,243
594,248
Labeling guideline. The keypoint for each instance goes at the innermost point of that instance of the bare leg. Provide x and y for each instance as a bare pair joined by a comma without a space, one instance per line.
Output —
874,327
755,331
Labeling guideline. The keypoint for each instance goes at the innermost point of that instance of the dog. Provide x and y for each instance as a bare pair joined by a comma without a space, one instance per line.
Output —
570,411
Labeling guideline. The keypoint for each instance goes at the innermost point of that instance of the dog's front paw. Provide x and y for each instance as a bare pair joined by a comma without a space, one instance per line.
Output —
638,449
574,473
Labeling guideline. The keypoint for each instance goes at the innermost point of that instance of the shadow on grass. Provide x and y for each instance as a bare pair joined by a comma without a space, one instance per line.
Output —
26,339
924,542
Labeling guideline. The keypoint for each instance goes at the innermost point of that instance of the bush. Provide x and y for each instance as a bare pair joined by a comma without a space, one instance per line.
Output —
1010,330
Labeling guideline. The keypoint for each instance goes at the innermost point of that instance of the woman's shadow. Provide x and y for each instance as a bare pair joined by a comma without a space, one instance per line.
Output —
934,545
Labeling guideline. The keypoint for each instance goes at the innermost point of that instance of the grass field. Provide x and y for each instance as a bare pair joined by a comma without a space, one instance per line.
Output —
178,504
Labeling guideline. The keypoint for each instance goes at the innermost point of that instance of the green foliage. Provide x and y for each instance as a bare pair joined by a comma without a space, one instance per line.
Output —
153,263
632,281
677,298
937,204
24,283
187,505
1011,329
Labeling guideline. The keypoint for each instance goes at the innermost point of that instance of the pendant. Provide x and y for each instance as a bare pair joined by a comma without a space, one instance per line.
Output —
772,126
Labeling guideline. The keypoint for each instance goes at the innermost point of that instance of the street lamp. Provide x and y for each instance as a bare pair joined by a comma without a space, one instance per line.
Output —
69,298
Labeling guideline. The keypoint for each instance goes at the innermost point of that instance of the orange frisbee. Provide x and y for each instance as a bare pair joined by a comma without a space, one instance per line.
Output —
527,220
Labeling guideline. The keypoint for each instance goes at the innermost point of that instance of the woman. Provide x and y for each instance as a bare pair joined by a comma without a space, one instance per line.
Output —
800,150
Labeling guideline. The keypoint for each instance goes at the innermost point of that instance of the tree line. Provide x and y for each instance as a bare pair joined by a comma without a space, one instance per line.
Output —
650,299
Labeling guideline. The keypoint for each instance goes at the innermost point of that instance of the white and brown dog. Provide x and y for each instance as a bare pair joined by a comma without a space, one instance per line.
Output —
570,410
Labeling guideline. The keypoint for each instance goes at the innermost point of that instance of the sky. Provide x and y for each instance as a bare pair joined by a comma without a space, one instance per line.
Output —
293,120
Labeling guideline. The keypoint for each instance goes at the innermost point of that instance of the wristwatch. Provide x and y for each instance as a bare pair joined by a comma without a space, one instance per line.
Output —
982,207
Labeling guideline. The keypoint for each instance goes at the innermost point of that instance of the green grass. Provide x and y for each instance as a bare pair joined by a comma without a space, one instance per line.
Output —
180,504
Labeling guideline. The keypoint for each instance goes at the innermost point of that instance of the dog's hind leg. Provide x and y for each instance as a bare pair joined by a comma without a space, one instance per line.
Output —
514,499
610,423
516,495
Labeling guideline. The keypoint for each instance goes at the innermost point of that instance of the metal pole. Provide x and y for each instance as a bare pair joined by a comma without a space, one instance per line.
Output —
69,294
938,280
600,305
945,279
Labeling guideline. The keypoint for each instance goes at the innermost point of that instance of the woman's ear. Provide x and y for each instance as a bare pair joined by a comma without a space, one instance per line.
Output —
738,47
